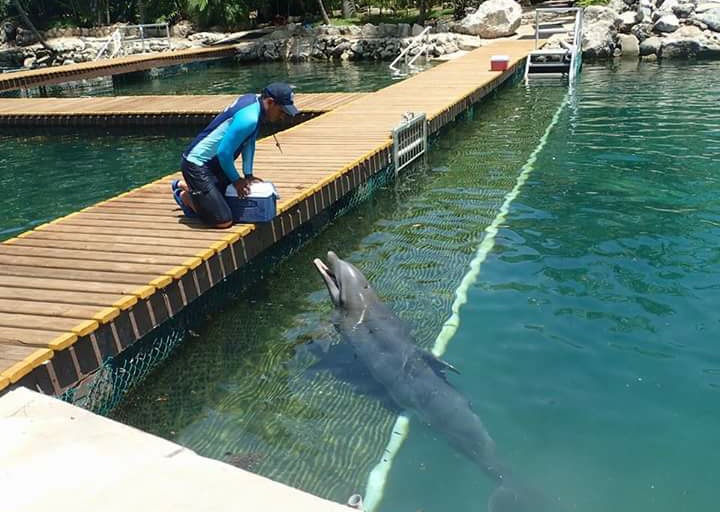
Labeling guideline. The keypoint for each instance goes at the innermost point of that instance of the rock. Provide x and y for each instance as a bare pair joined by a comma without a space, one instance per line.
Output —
706,6
341,48
651,46
8,32
67,62
494,18
369,31
468,43
416,30
711,18
684,10
29,62
668,23
387,29
403,30
642,31
644,10
651,57
666,7
680,48
24,37
182,29
627,20
617,5
629,45
599,30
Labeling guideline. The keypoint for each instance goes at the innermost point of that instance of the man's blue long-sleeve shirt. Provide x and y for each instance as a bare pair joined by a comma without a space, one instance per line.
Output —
233,132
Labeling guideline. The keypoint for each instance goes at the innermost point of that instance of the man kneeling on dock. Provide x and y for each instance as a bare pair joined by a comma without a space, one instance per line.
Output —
208,164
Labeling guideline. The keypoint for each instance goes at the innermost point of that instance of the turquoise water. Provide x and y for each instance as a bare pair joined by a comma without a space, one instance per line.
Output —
227,76
49,176
588,345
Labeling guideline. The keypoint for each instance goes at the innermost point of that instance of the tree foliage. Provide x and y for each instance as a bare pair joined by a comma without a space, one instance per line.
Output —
225,14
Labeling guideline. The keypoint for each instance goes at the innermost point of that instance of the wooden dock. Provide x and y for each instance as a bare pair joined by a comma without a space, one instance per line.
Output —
141,110
107,67
87,286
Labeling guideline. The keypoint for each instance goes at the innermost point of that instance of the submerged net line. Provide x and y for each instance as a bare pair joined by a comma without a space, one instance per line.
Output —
105,388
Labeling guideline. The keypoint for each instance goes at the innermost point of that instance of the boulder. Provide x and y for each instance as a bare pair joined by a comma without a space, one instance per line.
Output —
642,31
25,37
629,45
370,31
651,46
706,6
711,18
684,10
644,10
494,18
599,30
668,23
627,20
182,29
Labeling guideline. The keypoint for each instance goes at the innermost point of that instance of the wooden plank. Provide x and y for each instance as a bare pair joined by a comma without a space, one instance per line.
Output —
39,338
46,323
59,310
45,283
121,302
169,261
72,263
18,361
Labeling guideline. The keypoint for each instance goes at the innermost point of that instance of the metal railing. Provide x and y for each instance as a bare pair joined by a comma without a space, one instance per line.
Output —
574,49
419,41
123,34
409,139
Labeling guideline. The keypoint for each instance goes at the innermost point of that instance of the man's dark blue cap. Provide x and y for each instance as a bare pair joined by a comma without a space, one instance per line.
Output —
283,95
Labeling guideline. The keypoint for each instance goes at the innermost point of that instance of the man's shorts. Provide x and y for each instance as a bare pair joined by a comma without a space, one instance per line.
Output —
207,190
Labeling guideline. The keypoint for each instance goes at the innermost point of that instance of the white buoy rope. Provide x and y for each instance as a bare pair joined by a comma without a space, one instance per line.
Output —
379,474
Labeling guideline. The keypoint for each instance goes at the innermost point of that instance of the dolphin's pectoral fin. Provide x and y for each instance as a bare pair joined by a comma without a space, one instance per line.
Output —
438,365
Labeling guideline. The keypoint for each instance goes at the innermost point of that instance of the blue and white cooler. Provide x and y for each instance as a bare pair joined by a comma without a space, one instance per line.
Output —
258,206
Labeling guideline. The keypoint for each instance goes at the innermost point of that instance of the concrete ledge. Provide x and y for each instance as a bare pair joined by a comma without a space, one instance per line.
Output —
55,456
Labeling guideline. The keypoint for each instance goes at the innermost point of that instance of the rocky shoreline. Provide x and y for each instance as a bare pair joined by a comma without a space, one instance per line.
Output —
644,29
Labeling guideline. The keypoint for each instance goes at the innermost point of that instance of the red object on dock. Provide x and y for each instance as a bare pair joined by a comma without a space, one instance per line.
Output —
499,62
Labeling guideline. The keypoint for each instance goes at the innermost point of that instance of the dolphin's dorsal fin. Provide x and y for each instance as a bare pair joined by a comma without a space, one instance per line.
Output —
437,364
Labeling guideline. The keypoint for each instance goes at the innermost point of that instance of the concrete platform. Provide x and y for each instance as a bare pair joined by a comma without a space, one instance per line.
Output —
55,456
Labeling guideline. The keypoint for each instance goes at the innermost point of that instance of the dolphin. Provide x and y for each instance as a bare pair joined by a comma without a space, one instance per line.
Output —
416,380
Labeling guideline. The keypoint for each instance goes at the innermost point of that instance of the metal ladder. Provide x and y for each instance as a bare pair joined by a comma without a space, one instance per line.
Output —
420,44
556,63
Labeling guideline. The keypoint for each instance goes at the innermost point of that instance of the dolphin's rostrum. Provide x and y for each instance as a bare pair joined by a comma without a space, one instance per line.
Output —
415,379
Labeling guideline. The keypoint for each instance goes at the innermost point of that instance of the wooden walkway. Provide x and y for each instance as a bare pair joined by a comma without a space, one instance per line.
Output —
107,67
140,110
86,286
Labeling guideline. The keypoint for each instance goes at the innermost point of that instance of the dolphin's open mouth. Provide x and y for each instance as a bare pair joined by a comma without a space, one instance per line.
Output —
329,278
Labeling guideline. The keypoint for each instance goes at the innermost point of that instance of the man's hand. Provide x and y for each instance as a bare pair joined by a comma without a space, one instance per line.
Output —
242,186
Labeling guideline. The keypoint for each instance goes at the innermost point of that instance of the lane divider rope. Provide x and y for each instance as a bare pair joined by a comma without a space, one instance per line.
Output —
377,479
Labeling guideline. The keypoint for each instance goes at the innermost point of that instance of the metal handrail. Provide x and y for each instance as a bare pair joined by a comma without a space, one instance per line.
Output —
576,55
118,37
410,46
576,50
